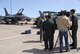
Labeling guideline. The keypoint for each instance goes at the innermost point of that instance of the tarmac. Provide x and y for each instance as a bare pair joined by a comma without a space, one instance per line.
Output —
13,42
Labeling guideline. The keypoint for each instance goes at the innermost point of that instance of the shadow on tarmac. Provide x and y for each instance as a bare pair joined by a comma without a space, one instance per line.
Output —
37,51
31,42
78,48
41,51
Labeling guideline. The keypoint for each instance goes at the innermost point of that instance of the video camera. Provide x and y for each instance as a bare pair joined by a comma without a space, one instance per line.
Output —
67,13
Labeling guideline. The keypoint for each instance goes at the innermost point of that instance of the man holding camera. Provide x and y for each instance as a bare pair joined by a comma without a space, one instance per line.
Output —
63,23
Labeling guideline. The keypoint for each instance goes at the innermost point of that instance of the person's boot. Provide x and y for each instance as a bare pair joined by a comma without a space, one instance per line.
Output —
71,44
67,50
46,49
41,41
73,47
61,51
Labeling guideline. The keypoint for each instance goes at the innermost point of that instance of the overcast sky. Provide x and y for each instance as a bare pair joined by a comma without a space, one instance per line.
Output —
31,7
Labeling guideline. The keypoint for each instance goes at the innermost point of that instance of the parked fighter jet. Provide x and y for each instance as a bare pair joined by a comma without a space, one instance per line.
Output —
8,18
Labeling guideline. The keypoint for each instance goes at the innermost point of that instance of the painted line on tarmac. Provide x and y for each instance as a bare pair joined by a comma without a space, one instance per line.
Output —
16,36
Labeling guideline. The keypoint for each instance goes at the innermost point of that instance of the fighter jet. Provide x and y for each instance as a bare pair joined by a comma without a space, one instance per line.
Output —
16,18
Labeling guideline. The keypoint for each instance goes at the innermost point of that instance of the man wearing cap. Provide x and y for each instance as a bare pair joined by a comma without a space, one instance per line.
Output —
74,28
48,31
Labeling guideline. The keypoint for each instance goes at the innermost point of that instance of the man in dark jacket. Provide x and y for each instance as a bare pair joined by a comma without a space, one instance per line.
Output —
41,28
40,23
48,33
74,29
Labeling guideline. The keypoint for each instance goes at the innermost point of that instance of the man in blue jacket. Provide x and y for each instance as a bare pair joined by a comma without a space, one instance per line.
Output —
74,29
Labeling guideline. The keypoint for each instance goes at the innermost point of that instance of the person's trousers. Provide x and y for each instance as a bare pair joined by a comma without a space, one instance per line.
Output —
41,34
50,40
65,34
74,38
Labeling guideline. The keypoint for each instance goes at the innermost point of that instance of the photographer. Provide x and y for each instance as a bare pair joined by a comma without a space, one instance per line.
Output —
63,23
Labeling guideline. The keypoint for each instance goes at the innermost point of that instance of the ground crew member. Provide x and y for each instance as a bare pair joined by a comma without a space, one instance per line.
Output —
41,20
74,29
63,23
48,31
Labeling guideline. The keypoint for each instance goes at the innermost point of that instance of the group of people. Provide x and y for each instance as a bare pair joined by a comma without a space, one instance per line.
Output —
64,23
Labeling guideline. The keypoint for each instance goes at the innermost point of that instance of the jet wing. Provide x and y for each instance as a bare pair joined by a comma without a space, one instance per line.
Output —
9,16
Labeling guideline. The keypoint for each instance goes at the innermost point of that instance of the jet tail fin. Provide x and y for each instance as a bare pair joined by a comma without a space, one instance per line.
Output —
20,11
6,12
41,15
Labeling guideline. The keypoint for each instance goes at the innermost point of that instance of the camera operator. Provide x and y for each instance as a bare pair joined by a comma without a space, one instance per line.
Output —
63,23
